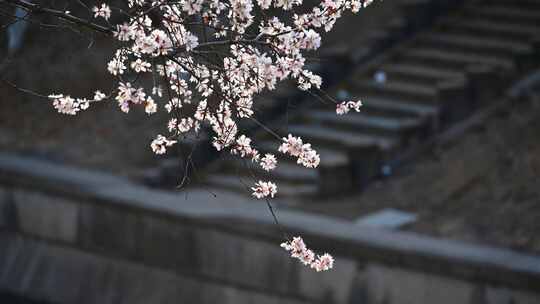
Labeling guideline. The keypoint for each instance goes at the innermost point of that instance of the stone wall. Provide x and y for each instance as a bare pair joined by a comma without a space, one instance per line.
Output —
73,236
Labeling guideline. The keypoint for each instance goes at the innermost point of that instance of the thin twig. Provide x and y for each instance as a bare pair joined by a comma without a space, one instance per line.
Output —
37,9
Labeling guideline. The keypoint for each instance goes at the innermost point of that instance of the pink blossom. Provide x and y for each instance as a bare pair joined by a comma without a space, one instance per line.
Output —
292,145
160,144
298,250
268,162
103,11
344,107
323,263
264,189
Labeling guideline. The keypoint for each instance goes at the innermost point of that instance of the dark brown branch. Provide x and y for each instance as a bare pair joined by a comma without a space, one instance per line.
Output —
23,90
33,8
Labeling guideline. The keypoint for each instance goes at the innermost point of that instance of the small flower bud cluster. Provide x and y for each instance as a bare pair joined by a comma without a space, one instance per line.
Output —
344,107
104,11
298,250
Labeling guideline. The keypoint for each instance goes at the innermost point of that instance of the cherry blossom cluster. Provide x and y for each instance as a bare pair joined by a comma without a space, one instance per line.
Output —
206,61
298,250
343,108
127,95
264,189
65,104
295,147
160,143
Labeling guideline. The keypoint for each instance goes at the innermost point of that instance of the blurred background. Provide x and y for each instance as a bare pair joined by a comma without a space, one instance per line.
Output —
429,195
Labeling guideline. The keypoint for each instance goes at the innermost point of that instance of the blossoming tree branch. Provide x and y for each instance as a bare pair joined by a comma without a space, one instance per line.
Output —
207,60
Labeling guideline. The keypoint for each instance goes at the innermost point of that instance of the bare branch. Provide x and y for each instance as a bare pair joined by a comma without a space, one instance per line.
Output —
33,8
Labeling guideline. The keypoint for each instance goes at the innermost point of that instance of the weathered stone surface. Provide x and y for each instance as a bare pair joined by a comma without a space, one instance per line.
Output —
387,218
454,98
247,262
45,216
525,298
109,229
7,210
61,275
334,179
498,296
366,164
399,286
330,286
168,244
110,221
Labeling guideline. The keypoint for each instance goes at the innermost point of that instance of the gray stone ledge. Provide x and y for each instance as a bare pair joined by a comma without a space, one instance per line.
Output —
45,216
250,218
47,272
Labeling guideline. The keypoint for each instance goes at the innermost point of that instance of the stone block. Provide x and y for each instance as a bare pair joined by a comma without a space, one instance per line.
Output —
45,216
484,83
498,296
246,261
398,286
365,164
53,274
525,297
455,100
109,230
7,210
335,179
167,244
332,286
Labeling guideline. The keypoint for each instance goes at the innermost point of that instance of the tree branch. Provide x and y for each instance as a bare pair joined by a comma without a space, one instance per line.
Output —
33,8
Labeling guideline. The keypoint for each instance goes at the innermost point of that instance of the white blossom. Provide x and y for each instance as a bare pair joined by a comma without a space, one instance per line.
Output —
150,107
264,189
268,162
343,108
98,96
140,66
160,143
103,11
65,104
298,250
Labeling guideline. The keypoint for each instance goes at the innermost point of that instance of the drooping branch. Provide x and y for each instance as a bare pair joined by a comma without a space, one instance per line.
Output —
36,9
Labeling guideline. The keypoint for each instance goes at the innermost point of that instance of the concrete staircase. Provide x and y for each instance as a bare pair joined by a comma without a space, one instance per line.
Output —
434,79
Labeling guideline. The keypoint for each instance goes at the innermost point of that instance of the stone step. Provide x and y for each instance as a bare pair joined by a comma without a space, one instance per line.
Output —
395,107
423,74
526,4
285,171
327,136
399,108
243,185
473,44
387,218
504,13
397,128
456,61
489,29
394,89
333,173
